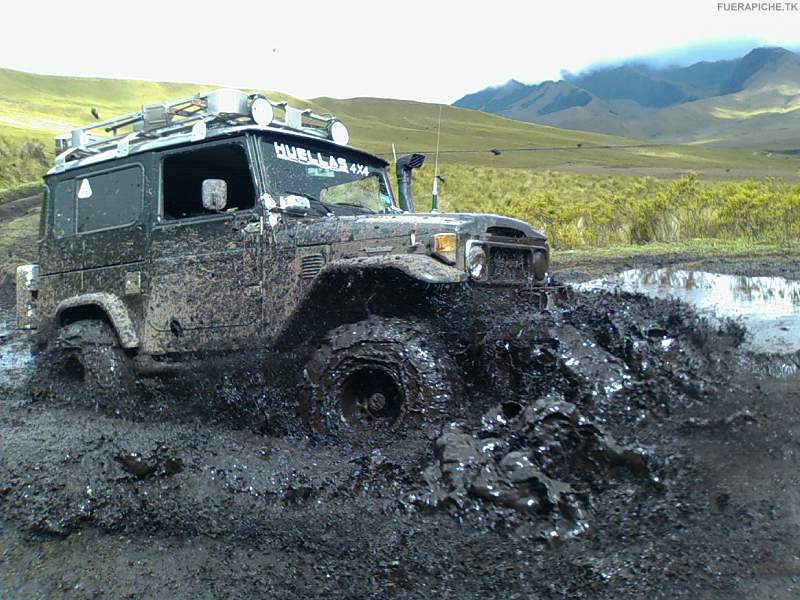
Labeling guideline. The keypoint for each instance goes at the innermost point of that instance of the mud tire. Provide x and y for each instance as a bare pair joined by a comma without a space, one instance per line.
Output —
402,361
86,359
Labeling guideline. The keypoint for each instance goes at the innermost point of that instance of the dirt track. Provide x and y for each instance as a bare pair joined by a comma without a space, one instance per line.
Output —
609,462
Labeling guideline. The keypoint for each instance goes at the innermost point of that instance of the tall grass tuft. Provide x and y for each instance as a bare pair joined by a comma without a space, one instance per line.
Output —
22,161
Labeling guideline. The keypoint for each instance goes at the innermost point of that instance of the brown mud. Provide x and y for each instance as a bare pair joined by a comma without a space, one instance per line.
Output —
619,447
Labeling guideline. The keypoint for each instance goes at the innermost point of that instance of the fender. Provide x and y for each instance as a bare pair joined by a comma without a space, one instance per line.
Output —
417,266
114,309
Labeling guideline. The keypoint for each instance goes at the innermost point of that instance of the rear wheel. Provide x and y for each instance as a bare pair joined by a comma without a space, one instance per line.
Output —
378,375
86,359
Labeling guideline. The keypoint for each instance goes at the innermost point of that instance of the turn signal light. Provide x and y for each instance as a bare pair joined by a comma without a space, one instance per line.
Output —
444,246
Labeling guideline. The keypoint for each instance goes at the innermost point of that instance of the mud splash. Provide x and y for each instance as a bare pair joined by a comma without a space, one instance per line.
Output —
769,307
543,460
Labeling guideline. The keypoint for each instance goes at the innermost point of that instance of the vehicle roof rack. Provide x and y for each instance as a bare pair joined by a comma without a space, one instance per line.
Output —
218,109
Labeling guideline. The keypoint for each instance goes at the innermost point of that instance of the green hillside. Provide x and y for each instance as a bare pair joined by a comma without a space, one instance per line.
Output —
33,108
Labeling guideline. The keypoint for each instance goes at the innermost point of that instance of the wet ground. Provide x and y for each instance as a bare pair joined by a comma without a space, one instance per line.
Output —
626,445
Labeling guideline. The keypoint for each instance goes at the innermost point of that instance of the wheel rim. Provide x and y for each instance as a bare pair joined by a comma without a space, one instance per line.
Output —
72,368
371,397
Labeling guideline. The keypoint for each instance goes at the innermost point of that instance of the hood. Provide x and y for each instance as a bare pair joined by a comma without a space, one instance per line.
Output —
367,227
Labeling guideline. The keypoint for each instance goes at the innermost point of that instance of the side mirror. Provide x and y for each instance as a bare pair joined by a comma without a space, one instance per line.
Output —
215,194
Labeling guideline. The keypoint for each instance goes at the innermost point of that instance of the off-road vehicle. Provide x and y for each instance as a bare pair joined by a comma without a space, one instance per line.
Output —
228,222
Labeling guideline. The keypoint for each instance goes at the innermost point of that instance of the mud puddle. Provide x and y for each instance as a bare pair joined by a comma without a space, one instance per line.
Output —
768,307
15,353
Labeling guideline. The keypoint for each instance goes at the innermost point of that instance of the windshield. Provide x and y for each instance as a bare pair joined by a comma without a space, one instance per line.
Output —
341,182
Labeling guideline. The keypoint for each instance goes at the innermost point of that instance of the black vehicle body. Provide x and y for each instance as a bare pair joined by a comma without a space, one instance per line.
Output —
234,279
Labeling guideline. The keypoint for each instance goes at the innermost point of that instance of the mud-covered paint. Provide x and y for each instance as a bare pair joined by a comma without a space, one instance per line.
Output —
423,268
113,307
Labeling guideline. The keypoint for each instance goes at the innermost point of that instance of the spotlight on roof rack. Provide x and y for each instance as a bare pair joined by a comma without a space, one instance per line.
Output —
262,112
338,132
225,102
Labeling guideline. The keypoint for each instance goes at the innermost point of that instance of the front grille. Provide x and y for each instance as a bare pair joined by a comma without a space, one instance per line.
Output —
509,264
311,265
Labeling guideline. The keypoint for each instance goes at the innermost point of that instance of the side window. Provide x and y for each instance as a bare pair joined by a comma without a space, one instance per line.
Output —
103,201
64,209
183,175
109,200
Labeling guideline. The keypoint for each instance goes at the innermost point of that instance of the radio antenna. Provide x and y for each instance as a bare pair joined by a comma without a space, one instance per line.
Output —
435,195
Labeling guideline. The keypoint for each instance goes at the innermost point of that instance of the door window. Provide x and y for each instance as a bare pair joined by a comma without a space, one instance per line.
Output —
109,200
64,209
97,202
183,175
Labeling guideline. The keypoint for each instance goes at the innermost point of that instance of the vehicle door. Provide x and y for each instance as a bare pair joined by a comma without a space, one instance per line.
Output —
95,241
205,285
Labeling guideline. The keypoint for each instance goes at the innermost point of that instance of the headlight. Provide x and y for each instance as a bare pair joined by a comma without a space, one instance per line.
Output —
540,264
476,262
444,246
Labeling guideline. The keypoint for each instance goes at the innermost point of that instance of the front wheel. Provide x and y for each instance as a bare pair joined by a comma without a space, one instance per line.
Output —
377,375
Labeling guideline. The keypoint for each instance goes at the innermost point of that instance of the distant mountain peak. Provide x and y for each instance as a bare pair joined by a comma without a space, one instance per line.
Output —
753,63
511,84
766,53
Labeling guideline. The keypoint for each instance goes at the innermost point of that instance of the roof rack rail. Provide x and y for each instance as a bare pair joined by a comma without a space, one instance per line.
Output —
223,107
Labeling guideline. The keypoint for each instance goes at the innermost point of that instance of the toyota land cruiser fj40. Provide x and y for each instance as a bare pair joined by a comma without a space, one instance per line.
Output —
227,222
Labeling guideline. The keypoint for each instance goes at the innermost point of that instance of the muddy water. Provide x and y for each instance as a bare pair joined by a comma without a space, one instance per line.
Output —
769,307
15,352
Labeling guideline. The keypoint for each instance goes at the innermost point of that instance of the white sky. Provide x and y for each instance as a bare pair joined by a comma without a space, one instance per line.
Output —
421,50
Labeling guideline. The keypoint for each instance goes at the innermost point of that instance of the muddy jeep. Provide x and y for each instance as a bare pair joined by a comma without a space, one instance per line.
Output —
227,222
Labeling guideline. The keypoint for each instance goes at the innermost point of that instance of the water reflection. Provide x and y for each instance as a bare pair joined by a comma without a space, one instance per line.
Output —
768,306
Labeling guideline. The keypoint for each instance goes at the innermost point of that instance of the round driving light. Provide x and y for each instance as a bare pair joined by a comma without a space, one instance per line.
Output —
540,265
476,262
339,133
262,112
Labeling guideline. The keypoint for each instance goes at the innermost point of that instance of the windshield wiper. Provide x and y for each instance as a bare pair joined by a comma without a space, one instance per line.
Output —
354,205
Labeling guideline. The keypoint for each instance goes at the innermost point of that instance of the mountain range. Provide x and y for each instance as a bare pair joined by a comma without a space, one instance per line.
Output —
752,101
